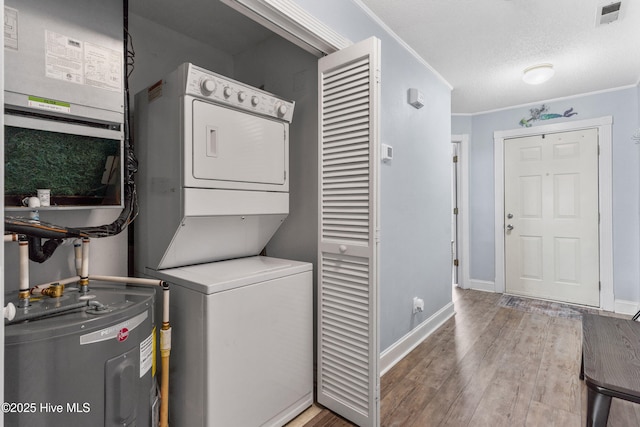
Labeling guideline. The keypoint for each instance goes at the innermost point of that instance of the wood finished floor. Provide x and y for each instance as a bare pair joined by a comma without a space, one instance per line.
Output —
490,366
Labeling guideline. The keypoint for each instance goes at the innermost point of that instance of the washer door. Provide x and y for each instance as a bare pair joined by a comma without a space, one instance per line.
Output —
233,146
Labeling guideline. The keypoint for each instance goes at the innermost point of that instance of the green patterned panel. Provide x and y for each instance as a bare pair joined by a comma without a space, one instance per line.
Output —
72,166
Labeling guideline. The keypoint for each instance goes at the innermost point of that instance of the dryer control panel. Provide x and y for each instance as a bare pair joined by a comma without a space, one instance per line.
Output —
223,90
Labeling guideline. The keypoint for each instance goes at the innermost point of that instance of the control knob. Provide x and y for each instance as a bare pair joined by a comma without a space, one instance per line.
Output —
255,101
242,96
207,87
227,92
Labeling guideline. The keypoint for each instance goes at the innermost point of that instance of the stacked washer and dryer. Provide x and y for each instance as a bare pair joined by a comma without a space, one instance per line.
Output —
213,187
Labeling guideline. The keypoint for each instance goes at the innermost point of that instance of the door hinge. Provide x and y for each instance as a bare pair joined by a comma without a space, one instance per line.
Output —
455,211
456,262
455,159
285,175
599,286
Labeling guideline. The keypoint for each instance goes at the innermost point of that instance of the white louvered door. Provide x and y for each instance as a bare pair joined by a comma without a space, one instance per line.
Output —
348,349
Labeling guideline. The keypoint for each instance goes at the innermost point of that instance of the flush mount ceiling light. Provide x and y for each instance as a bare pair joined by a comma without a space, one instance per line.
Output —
538,74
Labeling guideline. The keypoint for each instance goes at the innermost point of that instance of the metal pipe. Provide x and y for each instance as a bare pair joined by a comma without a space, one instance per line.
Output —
37,290
165,352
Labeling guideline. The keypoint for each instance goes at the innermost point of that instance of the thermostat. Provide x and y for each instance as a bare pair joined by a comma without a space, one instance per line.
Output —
416,98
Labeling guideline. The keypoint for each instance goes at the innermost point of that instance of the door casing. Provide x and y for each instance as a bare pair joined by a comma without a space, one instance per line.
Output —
604,126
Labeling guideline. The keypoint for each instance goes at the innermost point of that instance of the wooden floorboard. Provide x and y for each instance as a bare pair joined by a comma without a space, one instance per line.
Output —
490,366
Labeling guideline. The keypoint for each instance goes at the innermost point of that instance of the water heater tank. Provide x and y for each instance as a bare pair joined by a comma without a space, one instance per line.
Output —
84,367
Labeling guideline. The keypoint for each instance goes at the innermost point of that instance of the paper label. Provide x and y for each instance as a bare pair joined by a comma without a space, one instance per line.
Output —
102,67
146,354
83,63
10,28
63,58
49,104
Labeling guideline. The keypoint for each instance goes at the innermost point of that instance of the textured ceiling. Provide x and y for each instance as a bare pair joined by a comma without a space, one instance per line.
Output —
481,46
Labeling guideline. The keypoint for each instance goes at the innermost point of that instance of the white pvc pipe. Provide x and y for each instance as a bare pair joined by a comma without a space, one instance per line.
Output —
132,280
165,310
85,258
10,237
77,250
24,265
9,311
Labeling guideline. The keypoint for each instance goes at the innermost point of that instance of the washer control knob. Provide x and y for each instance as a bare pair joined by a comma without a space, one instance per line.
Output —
281,110
227,92
207,87
242,96
255,101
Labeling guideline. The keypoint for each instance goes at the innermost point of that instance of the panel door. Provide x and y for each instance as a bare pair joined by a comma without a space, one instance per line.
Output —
348,349
551,217
233,146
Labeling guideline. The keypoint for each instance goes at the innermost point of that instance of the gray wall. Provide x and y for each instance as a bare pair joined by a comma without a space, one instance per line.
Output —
288,71
415,241
622,105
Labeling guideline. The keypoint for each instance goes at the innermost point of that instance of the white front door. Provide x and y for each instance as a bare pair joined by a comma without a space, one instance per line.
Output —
551,216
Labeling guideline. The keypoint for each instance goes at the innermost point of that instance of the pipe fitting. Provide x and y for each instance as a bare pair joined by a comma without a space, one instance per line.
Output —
23,298
54,291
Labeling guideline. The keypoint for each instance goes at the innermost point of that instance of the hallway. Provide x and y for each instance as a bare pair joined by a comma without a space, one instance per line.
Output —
490,366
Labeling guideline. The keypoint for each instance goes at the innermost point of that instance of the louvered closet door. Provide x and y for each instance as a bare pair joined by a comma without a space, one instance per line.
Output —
348,352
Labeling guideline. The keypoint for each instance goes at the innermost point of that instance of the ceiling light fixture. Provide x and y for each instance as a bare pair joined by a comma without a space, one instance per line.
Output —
538,74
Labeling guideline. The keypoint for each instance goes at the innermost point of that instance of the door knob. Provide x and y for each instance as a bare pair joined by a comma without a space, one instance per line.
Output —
509,227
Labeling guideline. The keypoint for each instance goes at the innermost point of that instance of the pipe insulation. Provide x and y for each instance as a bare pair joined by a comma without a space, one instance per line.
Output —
77,251
24,265
84,273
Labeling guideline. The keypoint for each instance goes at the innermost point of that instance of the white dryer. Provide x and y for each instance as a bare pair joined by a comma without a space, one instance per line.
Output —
213,187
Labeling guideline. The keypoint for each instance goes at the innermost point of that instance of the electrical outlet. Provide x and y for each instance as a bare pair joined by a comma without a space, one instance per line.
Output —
418,305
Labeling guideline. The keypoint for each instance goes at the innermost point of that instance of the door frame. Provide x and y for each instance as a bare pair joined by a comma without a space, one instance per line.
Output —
463,208
604,126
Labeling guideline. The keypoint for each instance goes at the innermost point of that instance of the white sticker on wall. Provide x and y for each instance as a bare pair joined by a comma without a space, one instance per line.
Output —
63,58
102,67
10,28
80,62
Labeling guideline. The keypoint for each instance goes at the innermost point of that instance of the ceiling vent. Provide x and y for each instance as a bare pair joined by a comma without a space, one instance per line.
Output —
608,13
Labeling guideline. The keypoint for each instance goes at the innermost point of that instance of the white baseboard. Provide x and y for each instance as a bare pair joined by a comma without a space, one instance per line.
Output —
404,345
482,285
626,307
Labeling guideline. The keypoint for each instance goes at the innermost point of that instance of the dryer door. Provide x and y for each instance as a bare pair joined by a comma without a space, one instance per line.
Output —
232,149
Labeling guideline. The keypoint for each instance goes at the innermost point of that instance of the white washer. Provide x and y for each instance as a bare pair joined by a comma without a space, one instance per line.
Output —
242,342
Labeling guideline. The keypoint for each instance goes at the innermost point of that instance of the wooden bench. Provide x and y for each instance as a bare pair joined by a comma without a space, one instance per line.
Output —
610,364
